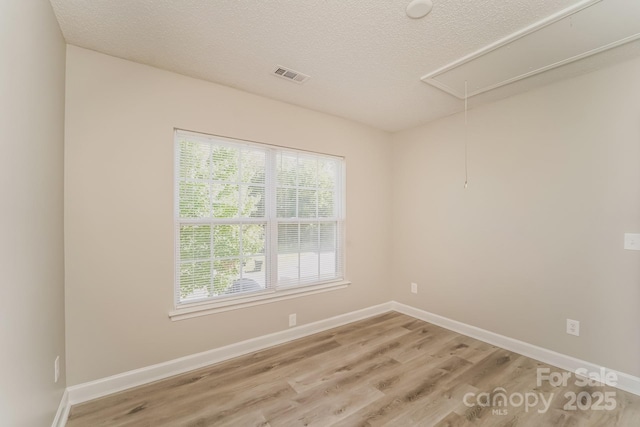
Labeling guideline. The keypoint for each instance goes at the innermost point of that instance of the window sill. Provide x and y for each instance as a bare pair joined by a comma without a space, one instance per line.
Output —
203,309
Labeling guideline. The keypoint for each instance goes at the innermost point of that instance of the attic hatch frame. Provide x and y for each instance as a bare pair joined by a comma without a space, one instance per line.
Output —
431,78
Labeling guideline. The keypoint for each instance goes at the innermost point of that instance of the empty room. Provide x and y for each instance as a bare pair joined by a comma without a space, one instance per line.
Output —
318,213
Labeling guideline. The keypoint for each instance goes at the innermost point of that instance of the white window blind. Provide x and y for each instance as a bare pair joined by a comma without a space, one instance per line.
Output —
254,218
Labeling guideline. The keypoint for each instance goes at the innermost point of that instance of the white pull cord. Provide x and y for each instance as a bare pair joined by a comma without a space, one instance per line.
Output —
466,138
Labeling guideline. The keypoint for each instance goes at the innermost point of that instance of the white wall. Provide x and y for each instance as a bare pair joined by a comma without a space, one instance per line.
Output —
538,235
32,58
119,211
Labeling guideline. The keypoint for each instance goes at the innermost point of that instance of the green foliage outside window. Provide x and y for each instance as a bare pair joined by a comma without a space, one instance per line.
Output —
220,182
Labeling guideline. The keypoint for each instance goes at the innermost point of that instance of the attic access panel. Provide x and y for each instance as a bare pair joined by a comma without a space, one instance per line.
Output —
582,30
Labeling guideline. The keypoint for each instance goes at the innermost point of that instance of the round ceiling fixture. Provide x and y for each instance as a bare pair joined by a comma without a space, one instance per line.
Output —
419,8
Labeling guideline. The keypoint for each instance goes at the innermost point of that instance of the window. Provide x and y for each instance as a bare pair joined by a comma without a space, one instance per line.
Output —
254,219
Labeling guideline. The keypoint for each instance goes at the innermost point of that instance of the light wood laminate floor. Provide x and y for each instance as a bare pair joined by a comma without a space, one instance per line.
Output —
386,370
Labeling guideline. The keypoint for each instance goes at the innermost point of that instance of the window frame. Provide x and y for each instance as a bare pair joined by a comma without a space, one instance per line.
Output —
273,291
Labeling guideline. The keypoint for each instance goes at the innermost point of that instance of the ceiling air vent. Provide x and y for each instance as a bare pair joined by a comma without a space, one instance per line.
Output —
289,74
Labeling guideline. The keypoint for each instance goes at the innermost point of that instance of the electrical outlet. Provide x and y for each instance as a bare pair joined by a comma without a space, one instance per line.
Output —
632,242
292,320
573,327
56,369
414,288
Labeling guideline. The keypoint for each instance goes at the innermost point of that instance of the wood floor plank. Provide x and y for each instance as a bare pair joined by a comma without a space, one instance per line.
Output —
436,409
215,384
389,369
405,389
326,409
451,420
342,361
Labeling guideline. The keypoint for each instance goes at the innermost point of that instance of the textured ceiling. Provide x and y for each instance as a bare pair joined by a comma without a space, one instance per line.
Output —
365,57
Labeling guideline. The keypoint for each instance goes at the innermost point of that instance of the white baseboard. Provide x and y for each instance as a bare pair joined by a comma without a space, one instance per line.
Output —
63,411
624,382
105,386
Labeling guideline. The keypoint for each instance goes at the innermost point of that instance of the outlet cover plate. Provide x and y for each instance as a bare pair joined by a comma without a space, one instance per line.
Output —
573,327
632,241
293,319
414,288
